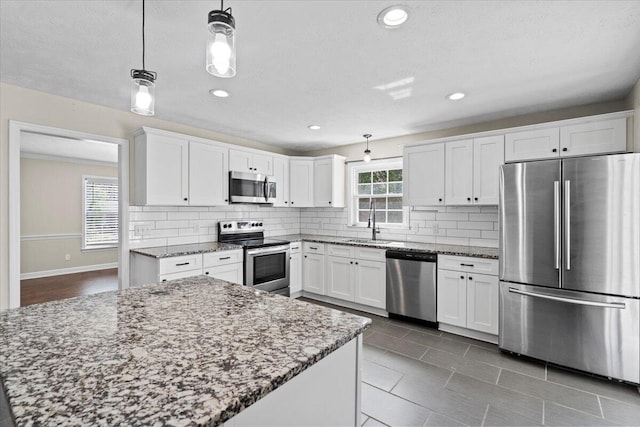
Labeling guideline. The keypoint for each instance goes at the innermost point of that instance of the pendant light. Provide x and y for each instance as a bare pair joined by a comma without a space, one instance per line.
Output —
221,46
143,98
367,152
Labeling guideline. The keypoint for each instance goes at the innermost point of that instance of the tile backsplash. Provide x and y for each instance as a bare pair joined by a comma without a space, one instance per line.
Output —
455,225
160,226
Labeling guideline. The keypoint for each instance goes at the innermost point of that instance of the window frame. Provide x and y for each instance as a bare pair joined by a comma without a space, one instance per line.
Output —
97,178
354,169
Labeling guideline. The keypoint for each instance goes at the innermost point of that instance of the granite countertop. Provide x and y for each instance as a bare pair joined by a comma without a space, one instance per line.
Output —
475,251
178,250
193,351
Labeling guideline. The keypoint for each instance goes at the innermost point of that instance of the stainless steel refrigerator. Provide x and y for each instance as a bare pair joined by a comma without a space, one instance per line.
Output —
570,263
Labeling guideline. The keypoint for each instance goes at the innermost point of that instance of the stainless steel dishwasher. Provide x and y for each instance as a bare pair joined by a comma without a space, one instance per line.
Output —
411,284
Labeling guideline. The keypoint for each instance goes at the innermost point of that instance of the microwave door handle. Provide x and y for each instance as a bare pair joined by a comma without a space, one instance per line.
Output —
265,187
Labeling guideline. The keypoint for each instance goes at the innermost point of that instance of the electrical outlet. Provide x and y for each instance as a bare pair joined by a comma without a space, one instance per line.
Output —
142,229
67,257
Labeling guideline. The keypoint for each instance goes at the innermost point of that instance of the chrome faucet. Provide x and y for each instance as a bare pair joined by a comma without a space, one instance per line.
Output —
372,209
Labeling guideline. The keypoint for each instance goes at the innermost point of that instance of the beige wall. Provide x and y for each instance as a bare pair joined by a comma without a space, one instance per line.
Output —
51,204
50,110
392,147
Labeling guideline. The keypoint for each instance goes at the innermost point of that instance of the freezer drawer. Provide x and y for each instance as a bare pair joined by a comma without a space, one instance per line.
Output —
593,333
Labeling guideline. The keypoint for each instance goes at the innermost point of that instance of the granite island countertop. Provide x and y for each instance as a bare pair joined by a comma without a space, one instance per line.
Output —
192,351
441,249
189,249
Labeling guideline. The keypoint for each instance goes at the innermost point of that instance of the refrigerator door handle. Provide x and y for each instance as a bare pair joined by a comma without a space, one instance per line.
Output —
556,223
618,305
567,224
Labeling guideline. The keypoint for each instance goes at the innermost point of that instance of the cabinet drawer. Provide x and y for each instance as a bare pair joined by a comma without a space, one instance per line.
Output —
180,263
341,251
371,254
468,264
311,247
296,247
179,275
214,259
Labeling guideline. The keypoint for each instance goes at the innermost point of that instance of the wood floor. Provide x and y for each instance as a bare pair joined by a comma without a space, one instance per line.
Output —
44,289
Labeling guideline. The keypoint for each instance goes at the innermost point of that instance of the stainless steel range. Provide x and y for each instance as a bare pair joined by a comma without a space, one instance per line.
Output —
266,261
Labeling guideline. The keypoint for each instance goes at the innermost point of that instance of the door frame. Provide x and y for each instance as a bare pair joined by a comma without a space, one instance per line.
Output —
15,131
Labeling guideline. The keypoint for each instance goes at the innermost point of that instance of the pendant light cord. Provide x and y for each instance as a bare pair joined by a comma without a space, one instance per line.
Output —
143,67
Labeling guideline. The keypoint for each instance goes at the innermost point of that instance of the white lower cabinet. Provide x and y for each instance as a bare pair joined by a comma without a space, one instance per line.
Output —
468,299
224,265
295,267
313,267
350,276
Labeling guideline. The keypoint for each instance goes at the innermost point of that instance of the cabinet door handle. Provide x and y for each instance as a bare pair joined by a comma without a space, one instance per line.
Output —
206,272
164,280
311,247
350,262
462,277
305,256
466,265
565,149
182,263
475,198
468,199
223,258
470,278
440,199
555,150
356,262
185,199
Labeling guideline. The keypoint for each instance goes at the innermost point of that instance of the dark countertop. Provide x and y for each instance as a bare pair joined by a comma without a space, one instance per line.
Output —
474,251
191,351
178,250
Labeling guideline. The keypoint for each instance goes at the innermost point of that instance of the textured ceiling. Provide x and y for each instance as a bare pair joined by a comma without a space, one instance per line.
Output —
329,62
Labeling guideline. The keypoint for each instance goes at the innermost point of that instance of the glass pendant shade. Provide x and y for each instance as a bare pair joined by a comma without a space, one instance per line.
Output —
143,97
221,47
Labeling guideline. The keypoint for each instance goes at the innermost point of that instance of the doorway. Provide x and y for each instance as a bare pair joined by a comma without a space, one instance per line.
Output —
68,213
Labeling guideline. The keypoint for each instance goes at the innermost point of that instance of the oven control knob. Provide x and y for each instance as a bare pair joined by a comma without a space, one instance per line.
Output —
260,224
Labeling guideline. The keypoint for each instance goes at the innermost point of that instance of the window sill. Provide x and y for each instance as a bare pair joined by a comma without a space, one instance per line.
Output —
385,227
98,248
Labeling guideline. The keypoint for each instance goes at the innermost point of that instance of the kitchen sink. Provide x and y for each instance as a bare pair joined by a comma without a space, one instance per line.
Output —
368,241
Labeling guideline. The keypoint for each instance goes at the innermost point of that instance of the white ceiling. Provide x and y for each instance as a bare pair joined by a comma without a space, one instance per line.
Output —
329,62
48,146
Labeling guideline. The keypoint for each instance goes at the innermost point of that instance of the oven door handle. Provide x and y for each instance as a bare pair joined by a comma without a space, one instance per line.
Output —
269,250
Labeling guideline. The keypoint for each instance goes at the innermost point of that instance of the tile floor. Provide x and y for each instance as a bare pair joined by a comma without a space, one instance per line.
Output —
417,376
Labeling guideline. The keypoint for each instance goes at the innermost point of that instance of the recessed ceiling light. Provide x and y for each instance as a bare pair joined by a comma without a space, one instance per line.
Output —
313,127
219,93
455,96
393,16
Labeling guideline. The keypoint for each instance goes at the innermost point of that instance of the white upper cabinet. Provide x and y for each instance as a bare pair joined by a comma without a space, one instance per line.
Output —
245,161
208,174
488,155
532,144
424,175
171,170
301,183
580,139
328,181
161,170
607,136
459,172
281,176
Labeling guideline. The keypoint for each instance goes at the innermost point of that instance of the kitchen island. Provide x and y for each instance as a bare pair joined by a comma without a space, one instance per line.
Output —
194,351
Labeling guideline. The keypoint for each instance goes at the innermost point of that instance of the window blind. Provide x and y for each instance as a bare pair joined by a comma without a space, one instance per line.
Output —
100,212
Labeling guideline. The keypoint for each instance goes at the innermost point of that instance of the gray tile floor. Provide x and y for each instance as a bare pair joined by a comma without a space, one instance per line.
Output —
418,376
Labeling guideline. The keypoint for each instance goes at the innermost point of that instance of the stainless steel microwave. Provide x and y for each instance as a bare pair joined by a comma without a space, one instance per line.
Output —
246,187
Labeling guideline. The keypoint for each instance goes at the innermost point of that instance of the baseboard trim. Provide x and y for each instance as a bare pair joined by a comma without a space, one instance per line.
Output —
348,304
469,333
70,270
